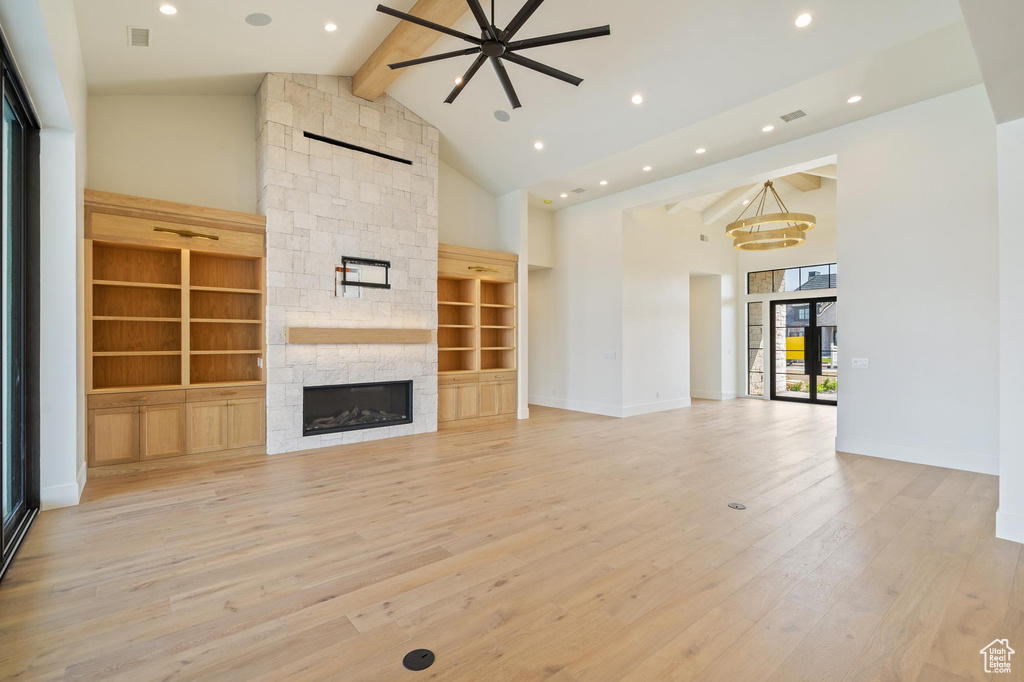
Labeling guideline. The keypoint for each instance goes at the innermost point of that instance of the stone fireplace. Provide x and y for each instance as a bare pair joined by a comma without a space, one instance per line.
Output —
324,201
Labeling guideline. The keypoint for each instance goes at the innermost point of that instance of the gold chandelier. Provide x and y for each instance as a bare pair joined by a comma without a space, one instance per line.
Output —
748,233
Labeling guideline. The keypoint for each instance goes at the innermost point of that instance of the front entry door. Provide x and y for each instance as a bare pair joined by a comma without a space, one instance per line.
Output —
805,357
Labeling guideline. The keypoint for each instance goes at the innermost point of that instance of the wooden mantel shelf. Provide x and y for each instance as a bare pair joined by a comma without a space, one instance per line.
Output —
309,335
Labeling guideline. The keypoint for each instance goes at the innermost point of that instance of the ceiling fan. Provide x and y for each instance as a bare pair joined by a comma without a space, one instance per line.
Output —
496,45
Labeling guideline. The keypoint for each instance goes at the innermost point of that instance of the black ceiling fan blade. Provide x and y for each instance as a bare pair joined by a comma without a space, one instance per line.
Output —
435,58
555,38
521,17
474,67
481,18
506,83
541,68
429,24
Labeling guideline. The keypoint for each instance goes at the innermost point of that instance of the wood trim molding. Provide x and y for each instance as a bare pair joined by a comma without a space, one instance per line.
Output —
312,335
406,41
141,207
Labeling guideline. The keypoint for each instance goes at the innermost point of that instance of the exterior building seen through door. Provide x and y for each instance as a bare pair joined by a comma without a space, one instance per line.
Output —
805,351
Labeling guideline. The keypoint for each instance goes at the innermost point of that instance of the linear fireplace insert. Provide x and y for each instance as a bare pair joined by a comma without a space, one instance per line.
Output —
349,407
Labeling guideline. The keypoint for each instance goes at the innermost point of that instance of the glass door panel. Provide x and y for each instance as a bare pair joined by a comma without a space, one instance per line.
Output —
791,322
805,352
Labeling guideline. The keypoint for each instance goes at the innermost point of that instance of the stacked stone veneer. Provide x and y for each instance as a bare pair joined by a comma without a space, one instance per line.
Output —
323,202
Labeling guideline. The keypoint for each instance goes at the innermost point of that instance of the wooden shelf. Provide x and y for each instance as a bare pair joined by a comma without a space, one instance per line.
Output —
134,353
214,320
454,303
458,371
496,326
134,285
498,348
312,335
126,318
225,352
456,326
456,349
495,305
226,290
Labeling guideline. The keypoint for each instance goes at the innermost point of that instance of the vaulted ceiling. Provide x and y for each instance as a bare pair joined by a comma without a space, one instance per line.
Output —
712,74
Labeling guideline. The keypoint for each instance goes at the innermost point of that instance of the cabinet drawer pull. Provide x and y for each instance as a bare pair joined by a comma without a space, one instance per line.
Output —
480,268
187,233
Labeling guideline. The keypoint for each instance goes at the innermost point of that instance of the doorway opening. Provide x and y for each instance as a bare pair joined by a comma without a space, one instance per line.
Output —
805,351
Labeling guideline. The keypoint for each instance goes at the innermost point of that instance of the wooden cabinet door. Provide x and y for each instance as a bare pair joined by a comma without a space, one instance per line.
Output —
113,436
207,426
447,403
469,401
489,400
247,423
507,398
162,431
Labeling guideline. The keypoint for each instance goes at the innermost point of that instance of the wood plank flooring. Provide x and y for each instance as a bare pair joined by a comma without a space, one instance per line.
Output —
569,548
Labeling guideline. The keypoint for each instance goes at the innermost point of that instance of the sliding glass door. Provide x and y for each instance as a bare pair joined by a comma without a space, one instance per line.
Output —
18,204
805,351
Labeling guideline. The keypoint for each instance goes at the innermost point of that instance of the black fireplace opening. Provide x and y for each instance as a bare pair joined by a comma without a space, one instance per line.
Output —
349,407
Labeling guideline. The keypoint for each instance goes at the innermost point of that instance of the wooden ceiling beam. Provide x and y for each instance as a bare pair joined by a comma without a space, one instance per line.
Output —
805,182
406,41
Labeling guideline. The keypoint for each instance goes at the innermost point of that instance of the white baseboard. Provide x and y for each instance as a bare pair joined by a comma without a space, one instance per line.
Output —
576,406
609,410
936,457
524,412
1010,526
660,406
66,495
712,395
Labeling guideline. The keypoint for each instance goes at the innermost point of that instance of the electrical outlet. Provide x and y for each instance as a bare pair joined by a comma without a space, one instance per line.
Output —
859,363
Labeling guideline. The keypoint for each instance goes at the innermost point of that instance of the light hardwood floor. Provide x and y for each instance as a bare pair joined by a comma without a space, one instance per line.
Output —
569,548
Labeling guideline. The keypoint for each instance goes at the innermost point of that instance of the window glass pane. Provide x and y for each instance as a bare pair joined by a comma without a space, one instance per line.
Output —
759,282
754,314
793,386
11,142
791,279
756,360
755,337
756,384
816,277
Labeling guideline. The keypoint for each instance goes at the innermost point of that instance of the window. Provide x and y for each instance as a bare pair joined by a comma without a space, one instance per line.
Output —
755,348
806,278
19,210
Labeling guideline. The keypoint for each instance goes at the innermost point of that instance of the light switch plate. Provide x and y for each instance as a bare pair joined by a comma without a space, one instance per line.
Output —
859,363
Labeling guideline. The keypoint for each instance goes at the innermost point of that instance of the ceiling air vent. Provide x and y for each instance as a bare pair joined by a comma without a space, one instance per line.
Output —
793,115
138,37
578,190
704,238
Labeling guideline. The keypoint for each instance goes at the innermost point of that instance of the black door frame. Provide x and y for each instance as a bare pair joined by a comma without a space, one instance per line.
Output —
813,371
28,307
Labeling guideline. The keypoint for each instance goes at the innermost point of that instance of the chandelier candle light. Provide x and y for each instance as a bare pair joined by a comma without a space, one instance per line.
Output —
748,233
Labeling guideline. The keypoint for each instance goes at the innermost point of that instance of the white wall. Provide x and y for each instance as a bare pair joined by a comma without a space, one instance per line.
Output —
193,149
542,237
44,41
706,338
468,213
661,251
913,180
1010,519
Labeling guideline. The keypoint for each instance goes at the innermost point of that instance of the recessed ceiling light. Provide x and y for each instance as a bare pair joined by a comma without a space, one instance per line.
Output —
458,80
854,99
604,182
330,28
502,115
564,195
168,9
746,201
538,145
767,129
804,20
701,150
258,19
638,99
647,168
